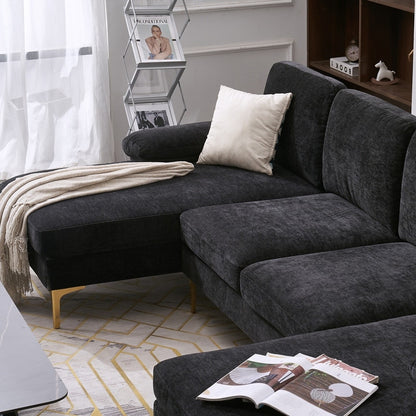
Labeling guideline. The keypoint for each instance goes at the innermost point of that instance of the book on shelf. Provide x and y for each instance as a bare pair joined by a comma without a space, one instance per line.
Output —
298,385
342,64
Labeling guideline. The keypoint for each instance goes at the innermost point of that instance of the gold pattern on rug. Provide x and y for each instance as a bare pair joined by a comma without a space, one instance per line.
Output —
113,334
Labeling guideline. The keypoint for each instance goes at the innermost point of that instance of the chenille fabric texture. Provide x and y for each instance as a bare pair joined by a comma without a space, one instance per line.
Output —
31,192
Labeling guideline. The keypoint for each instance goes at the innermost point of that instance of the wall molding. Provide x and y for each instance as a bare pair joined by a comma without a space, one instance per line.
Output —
241,48
215,5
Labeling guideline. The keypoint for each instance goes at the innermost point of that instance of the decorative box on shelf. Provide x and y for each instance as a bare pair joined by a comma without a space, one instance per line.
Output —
342,64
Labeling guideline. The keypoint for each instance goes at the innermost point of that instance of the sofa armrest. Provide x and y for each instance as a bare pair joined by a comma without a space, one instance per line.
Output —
167,144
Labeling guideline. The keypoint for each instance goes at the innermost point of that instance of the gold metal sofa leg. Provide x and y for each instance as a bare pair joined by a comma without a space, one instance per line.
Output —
56,303
193,296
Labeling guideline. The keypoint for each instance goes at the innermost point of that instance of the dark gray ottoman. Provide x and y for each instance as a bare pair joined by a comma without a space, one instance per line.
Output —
386,348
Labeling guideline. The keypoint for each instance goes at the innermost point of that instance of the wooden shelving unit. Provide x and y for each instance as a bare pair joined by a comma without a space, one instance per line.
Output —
383,30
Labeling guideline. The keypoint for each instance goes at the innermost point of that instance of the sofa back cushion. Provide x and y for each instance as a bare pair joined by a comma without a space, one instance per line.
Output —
364,152
407,219
300,143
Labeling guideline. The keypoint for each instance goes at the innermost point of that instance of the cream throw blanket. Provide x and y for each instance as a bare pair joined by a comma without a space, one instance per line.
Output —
28,193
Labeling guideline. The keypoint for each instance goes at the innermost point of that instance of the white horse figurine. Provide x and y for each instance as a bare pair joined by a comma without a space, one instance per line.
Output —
384,72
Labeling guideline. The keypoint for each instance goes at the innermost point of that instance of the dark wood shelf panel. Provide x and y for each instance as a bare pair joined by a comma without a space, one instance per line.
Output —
399,94
405,5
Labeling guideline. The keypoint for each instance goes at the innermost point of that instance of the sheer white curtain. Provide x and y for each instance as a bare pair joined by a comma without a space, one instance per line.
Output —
54,86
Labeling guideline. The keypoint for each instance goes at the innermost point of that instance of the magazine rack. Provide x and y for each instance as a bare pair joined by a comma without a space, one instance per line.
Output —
154,63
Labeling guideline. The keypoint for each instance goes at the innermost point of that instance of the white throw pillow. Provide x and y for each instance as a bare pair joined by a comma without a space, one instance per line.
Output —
244,129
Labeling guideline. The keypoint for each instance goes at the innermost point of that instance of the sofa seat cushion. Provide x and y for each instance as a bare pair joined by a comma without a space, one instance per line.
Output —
331,289
228,238
385,348
148,215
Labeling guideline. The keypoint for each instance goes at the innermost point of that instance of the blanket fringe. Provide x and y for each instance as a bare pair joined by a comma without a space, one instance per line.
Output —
16,284
18,256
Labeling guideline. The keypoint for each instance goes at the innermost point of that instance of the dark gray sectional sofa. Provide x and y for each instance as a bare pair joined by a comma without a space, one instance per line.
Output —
320,257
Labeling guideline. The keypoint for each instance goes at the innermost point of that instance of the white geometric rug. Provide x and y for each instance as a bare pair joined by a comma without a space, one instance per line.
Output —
113,334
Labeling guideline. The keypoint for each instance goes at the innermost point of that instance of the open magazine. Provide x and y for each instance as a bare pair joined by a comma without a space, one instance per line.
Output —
296,386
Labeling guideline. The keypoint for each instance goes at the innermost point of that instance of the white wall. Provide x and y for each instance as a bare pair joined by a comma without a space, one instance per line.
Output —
232,43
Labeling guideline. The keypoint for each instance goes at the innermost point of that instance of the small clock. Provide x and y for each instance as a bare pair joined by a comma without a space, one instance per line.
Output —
352,51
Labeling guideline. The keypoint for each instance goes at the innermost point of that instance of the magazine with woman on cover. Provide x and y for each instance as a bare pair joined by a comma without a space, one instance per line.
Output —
157,38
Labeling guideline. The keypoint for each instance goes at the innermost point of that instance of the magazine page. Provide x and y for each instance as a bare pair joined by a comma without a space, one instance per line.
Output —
256,378
150,115
299,354
336,364
321,391
341,366
157,38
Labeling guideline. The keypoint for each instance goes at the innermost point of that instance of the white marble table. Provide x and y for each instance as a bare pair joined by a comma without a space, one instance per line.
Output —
27,377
